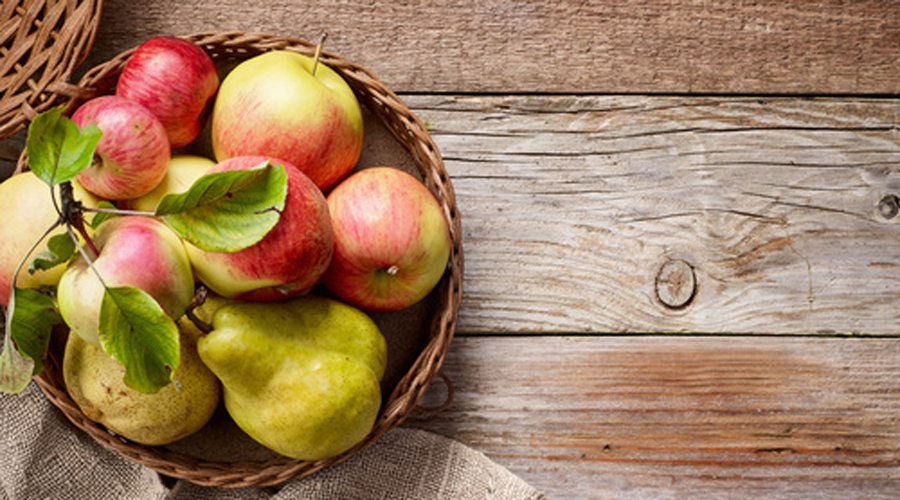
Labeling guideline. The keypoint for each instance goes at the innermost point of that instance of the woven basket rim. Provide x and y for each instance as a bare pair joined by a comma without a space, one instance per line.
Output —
411,133
43,46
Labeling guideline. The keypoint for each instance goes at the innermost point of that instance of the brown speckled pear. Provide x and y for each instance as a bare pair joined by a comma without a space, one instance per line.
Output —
94,381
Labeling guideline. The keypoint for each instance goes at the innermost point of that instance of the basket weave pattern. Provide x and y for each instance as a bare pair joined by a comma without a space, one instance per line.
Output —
41,44
408,130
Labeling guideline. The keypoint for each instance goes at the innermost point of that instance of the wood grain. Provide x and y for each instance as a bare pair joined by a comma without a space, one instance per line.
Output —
586,156
572,205
597,46
680,417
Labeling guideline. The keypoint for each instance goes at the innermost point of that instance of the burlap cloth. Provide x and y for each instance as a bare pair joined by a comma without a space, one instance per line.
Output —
43,456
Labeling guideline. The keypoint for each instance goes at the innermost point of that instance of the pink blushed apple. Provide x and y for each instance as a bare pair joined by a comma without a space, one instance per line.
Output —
133,154
134,251
176,80
391,240
273,104
27,211
289,260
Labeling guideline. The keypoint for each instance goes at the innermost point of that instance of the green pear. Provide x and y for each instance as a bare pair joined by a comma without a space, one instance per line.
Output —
94,381
301,376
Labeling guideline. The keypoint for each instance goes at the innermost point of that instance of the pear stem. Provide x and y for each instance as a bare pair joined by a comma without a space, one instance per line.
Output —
318,52
201,325
199,298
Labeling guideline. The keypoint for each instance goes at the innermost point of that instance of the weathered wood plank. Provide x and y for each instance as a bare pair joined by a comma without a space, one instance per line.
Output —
680,417
647,46
571,206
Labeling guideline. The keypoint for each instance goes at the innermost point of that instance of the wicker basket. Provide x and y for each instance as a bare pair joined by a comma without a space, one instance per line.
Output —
438,320
43,41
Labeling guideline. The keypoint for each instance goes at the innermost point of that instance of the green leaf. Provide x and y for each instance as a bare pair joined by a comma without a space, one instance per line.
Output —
32,316
57,150
32,323
15,369
228,211
138,334
101,217
60,249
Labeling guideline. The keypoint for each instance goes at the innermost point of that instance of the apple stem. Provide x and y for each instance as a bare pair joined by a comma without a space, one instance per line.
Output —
318,52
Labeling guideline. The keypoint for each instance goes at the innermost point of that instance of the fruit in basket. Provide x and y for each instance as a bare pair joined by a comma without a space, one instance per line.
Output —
133,154
277,104
94,380
392,242
27,212
182,172
134,251
289,260
176,80
302,376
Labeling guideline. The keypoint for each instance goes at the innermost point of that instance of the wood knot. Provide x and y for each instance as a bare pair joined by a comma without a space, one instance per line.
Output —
676,284
889,206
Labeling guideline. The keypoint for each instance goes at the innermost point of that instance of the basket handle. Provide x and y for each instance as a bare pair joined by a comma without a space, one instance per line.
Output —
433,410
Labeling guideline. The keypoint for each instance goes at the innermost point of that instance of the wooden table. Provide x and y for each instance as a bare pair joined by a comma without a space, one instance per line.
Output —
682,250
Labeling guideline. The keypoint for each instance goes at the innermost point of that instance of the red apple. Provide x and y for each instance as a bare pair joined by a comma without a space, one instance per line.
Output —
391,240
133,154
173,78
134,251
273,104
289,260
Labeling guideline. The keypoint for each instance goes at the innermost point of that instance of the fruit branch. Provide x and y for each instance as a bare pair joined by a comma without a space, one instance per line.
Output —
117,211
15,276
72,215
84,253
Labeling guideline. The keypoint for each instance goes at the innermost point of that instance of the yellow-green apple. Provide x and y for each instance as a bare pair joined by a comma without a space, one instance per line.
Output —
273,104
133,154
289,260
134,251
391,240
27,212
183,171
175,79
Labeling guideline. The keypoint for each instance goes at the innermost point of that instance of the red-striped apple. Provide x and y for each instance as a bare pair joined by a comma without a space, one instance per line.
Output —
273,104
391,240
133,154
289,260
134,251
176,80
